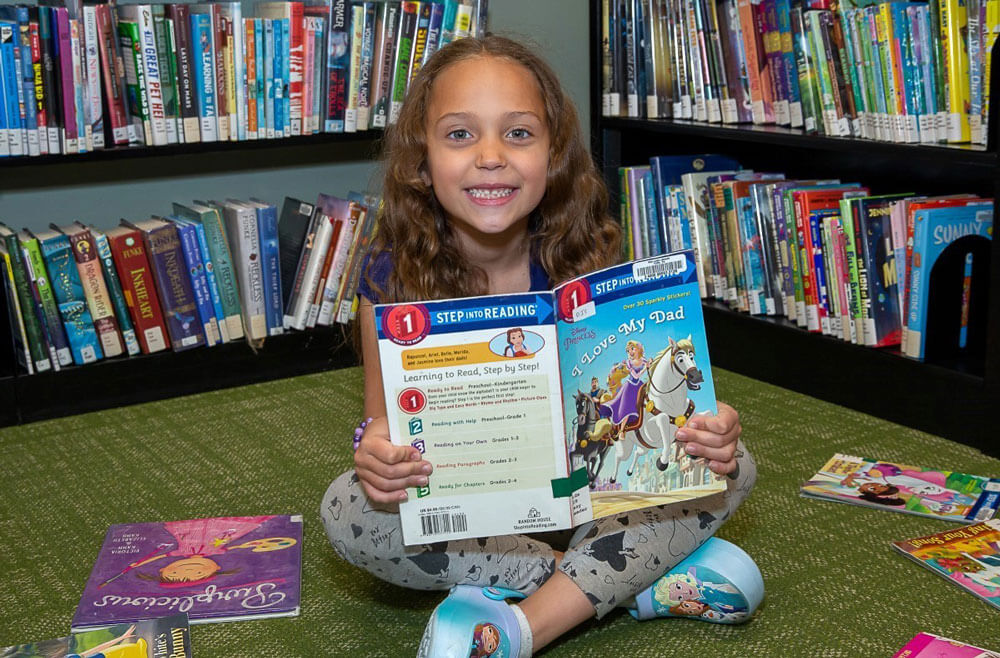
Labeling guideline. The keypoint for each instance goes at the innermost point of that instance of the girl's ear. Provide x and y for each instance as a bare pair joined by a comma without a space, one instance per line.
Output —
425,177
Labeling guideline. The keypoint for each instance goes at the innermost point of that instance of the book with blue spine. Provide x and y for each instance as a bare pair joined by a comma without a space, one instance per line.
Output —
267,228
188,236
4,139
222,262
34,265
213,284
286,73
9,79
70,298
204,75
27,77
949,280
115,291
259,62
267,40
536,362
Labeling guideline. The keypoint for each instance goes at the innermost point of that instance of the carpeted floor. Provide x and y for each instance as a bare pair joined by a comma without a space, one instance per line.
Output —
834,587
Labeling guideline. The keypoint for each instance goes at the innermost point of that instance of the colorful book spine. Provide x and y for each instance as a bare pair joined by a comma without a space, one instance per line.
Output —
96,291
186,52
404,50
129,253
173,285
203,58
70,298
267,227
166,60
188,236
34,264
114,92
116,293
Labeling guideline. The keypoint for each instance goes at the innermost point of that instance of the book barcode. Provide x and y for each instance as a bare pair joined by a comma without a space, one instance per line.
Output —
438,524
985,514
659,267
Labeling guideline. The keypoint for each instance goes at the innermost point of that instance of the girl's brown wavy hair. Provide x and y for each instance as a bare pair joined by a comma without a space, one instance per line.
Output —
570,231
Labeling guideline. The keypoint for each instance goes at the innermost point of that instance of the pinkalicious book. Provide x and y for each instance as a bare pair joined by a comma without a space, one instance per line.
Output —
902,488
542,410
160,637
968,557
928,645
215,569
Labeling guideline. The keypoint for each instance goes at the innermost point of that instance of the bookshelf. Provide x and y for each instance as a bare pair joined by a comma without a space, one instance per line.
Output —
129,380
956,400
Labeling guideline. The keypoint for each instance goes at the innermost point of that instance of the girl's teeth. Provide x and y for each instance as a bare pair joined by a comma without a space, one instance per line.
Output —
494,193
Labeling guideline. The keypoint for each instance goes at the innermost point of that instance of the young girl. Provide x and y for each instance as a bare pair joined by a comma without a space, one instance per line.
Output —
489,189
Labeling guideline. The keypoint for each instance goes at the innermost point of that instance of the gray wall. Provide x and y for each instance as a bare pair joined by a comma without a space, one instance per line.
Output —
101,193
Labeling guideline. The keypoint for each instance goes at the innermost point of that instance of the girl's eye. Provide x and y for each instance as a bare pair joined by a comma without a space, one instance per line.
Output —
460,133
520,133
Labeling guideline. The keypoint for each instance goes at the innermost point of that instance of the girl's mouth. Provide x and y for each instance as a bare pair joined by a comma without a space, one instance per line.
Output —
490,193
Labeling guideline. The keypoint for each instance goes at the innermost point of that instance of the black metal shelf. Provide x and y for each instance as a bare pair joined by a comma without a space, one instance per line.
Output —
132,380
119,153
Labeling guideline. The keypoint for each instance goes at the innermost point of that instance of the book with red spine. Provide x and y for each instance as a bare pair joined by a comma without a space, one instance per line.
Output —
129,253
114,90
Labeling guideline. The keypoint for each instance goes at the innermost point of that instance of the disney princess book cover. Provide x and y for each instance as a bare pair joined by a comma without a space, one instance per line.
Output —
214,569
148,638
938,494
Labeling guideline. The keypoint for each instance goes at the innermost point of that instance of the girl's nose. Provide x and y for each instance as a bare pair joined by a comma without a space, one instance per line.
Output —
491,154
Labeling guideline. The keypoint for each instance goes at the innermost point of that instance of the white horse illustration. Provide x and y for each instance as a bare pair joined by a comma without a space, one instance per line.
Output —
671,375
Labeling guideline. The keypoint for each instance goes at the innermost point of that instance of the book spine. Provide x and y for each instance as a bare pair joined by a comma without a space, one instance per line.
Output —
71,300
340,250
199,283
38,81
267,226
419,39
98,299
236,30
250,88
91,46
166,61
85,136
27,78
269,86
11,92
50,69
136,76
286,63
225,272
384,61
366,65
244,242
295,66
114,287
311,273
129,254
204,76
32,323
229,68
213,283
114,94
258,32
353,273
357,25
19,336
404,50
177,301
64,62
337,67
35,267
187,79
954,24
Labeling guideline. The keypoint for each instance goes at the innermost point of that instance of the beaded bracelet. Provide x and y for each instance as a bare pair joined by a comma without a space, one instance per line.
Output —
358,431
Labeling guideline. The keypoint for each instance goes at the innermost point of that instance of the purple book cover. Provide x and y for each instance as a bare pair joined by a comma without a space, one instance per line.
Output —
218,569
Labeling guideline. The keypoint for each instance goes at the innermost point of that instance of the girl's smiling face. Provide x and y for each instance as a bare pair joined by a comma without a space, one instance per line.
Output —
487,147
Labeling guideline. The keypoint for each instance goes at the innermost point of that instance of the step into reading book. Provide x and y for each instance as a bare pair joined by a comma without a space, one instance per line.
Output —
216,569
543,410
161,637
902,488
968,557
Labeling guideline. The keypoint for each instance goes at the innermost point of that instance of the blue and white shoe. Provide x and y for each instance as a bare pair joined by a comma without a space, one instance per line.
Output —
472,622
718,582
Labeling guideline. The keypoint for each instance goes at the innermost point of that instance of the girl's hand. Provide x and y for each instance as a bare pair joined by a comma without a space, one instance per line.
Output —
386,470
713,438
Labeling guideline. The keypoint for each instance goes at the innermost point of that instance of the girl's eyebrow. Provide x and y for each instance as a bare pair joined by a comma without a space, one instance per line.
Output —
466,116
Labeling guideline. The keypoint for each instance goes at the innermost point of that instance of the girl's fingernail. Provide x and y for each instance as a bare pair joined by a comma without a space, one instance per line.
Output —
426,469
422,481
682,435
690,448
402,496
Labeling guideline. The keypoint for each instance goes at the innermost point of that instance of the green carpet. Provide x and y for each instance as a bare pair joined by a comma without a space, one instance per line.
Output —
834,587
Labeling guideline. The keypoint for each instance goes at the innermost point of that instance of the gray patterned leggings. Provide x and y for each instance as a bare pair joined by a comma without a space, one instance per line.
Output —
610,560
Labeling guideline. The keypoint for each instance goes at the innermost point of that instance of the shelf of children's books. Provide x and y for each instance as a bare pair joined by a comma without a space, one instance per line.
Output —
132,152
778,136
950,400
125,381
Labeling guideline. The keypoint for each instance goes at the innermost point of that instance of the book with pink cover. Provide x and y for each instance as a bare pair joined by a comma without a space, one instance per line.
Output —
215,569
928,645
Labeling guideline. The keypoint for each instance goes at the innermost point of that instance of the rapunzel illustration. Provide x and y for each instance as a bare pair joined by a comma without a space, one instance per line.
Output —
623,409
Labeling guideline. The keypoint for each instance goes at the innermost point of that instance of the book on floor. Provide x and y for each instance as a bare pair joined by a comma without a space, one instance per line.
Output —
903,488
542,410
968,556
214,569
145,638
928,645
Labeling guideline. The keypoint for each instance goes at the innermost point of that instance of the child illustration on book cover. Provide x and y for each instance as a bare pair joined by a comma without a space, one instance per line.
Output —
209,568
